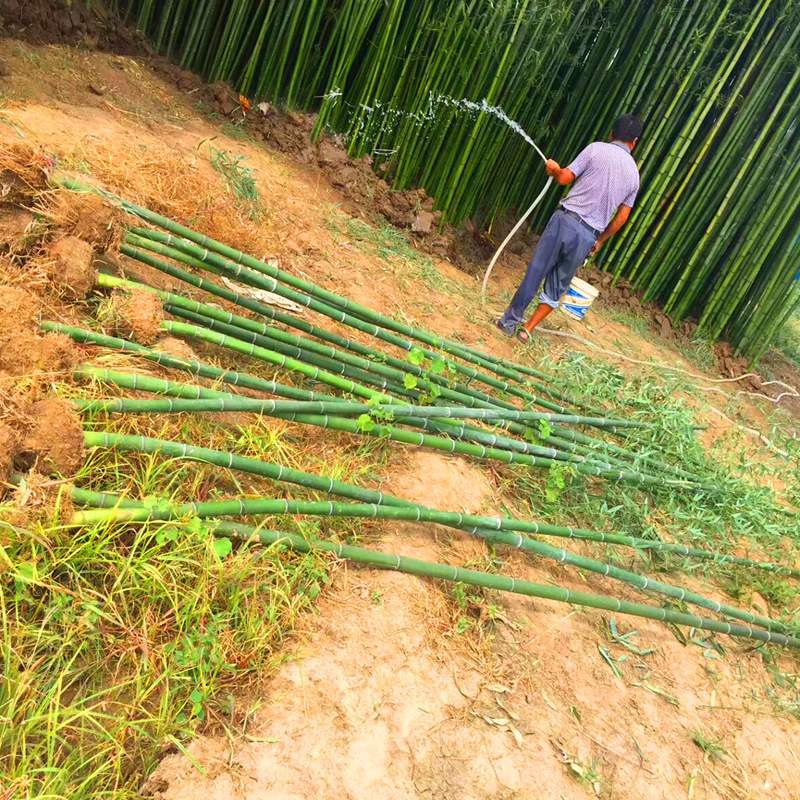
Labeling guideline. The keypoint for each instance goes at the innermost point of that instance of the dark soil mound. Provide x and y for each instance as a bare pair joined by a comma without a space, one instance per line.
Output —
65,22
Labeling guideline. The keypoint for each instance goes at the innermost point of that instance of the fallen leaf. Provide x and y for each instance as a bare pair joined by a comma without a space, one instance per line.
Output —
516,734
508,711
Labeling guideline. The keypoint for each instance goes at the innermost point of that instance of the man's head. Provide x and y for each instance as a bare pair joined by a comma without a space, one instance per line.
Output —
628,129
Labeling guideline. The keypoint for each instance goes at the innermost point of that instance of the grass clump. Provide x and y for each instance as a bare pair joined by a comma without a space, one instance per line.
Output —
745,514
118,643
711,747
240,180
699,352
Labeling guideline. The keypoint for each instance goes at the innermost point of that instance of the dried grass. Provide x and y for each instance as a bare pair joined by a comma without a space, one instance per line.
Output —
24,172
186,190
85,216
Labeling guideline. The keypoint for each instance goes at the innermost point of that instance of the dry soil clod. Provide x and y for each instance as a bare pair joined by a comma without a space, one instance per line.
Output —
24,173
137,315
19,310
71,266
39,497
22,350
87,217
8,448
176,348
54,442
16,229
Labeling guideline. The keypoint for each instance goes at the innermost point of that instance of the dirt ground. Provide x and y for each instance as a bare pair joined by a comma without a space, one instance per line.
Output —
378,696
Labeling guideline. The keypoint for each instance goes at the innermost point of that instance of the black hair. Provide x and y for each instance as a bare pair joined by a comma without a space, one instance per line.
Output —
627,128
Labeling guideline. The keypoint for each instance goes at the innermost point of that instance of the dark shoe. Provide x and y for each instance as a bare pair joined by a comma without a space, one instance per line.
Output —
502,328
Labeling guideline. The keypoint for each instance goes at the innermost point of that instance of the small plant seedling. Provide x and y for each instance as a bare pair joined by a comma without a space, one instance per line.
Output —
416,357
558,477
711,747
366,423
463,625
240,180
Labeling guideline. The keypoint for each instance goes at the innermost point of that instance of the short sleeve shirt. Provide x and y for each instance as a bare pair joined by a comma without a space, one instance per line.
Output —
606,177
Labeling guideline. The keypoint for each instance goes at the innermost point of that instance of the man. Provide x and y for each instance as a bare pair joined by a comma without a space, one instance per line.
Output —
606,183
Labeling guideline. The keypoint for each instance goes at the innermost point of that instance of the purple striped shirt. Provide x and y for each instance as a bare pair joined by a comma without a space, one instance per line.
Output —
606,178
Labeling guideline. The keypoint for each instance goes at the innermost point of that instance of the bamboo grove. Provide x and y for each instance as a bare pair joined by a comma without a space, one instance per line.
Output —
715,233
406,385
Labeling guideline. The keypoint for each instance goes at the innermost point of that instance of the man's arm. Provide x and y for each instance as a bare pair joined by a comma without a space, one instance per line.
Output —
562,175
620,218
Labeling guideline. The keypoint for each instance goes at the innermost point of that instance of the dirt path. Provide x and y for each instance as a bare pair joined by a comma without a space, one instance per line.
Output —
396,687
383,698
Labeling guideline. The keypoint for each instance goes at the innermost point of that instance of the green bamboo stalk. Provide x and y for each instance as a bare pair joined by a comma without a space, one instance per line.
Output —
192,366
204,249
380,501
539,456
195,399
232,403
366,378
462,394
295,346
246,507
491,581
274,358
252,278
500,582
142,238
419,418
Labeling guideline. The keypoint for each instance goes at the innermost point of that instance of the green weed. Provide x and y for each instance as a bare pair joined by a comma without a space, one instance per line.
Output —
739,509
392,245
711,747
637,323
700,352
116,641
787,341
240,180
122,642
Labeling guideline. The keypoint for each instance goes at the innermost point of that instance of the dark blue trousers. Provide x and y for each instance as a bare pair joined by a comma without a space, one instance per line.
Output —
563,247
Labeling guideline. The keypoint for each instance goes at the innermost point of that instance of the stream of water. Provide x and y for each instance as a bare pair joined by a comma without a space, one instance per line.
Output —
391,117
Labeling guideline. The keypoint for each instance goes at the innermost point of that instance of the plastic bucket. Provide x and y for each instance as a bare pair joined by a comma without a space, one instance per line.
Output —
578,298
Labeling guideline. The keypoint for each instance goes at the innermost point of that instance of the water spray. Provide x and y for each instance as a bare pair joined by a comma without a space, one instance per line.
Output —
428,114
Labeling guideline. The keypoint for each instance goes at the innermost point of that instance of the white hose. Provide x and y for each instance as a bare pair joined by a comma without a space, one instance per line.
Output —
512,232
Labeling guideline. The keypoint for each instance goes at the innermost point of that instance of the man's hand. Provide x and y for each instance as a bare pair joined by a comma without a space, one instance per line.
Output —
620,218
552,167
562,175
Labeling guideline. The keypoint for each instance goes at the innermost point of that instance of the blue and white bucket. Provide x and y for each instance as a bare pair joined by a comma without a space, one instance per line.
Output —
578,298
